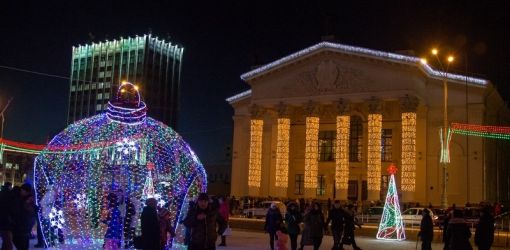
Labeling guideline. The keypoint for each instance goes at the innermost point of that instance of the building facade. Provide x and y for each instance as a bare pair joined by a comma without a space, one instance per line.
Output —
98,68
326,122
17,161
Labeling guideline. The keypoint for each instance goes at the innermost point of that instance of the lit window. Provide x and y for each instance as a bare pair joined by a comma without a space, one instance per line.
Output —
386,145
356,139
321,185
299,184
98,107
100,96
327,145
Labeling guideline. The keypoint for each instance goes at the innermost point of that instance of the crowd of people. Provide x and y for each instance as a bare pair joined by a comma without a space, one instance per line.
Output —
17,215
456,232
342,220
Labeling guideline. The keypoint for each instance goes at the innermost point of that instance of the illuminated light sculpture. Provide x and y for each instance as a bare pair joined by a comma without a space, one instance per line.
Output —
343,124
255,160
391,226
282,153
445,145
311,152
408,181
374,153
92,175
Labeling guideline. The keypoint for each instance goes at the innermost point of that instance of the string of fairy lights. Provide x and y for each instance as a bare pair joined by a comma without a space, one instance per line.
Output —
282,153
408,154
374,152
343,124
92,179
311,152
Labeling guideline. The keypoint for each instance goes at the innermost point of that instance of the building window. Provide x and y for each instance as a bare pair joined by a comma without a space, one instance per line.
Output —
321,185
386,145
299,185
327,145
356,139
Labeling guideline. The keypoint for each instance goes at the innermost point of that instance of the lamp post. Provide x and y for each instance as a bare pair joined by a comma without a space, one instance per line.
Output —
445,158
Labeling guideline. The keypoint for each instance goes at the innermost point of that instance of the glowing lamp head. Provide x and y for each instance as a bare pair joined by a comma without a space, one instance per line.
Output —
392,169
434,51
423,61
450,59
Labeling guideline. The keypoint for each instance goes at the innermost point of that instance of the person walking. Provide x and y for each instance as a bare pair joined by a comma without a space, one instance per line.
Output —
314,221
426,230
150,226
458,232
350,222
484,234
336,217
274,219
224,212
202,220
444,227
293,218
23,214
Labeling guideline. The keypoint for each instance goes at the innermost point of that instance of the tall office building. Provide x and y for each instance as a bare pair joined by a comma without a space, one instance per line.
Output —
98,68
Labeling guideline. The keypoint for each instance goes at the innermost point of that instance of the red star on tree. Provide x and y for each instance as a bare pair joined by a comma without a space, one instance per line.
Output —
392,169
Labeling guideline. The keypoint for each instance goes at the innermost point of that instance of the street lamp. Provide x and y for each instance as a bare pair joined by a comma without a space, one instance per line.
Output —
445,159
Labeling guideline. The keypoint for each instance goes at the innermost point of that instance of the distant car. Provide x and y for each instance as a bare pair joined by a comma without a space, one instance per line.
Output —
472,215
413,216
374,214
261,210
441,214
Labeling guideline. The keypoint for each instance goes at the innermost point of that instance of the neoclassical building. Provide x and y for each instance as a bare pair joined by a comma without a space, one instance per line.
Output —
326,122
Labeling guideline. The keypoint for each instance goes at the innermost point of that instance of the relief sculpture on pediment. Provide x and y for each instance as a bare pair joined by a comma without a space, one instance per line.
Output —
329,77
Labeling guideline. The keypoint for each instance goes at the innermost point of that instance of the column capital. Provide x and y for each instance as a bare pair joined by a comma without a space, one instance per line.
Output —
374,105
256,111
312,108
409,103
343,107
284,110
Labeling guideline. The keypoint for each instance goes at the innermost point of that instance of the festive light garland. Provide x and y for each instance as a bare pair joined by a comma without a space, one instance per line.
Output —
374,152
391,226
495,132
92,174
282,153
343,124
408,180
445,145
365,52
311,152
255,160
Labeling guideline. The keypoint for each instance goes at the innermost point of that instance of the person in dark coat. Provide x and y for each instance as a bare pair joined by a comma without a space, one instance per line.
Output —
274,219
336,217
350,223
444,227
458,232
203,220
150,226
484,235
314,222
6,222
426,230
23,214
293,218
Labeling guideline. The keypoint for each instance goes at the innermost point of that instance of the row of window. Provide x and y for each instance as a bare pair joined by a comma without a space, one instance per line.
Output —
327,145
352,188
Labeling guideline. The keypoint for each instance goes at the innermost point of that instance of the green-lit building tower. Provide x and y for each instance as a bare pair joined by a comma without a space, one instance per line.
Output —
151,63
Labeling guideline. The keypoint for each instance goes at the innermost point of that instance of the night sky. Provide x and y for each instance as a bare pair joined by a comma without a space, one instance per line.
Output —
222,40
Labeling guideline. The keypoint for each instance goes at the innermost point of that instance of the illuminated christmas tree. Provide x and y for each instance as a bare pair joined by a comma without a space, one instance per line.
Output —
391,226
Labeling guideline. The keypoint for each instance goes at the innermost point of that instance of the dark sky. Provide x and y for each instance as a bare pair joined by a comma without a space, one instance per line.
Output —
222,40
